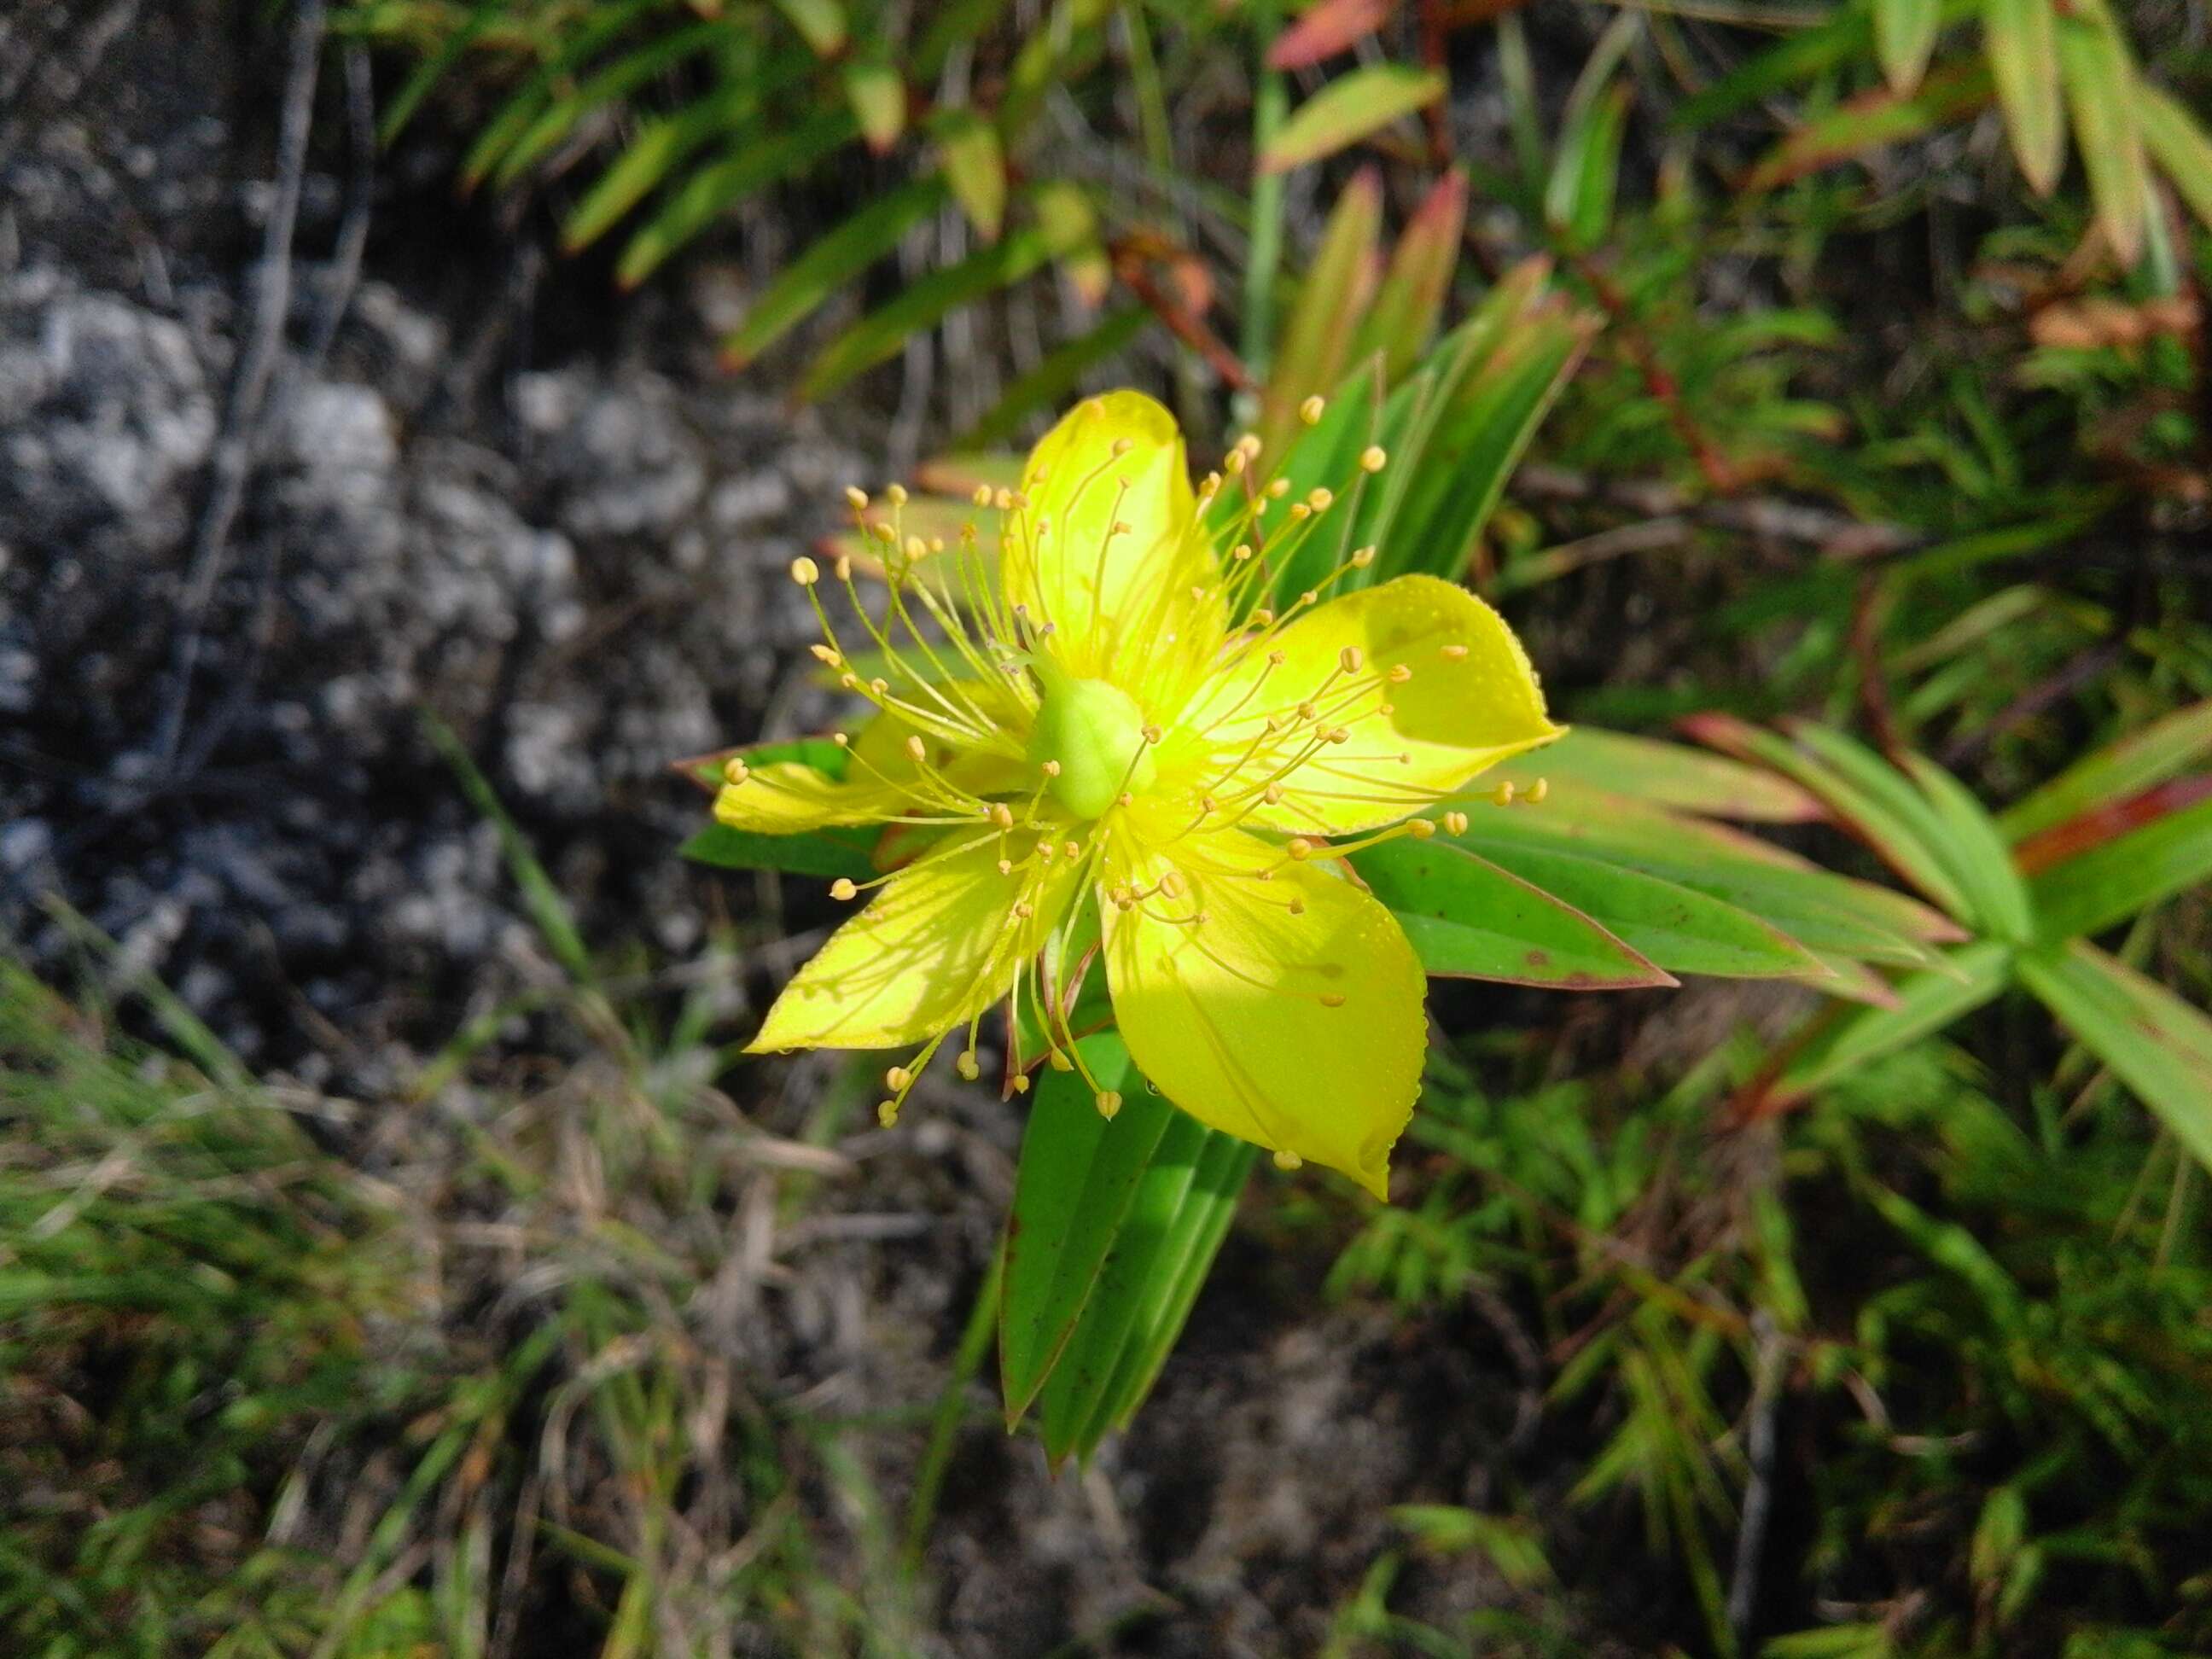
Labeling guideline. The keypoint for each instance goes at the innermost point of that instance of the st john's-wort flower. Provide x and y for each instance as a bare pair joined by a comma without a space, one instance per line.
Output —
1095,736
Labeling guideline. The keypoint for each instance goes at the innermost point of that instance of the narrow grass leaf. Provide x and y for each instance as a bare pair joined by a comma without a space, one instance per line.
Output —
2113,879
1903,37
2177,142
2021,39
2165,749
707,194
1671,774
820,23
1410,301
1926,1003
1333,297
975,167
1872,121
827,264
828,853
2101,92
1348,109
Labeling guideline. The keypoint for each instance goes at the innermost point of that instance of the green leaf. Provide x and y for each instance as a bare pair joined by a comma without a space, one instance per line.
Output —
825,853
2162,750
2179,144
1926,1003
433,68
1903,37
1665,774
1673,927
878,96
1470,919
827,266
2115,878
820,23
618,80
650,157
2021,39
1975,848
1348,109
1078,1174
1410,300
975,167
713,191
605,25
1055,381
1578,196
1872,121
2153,1041
1316,342
2101,91
1168,1235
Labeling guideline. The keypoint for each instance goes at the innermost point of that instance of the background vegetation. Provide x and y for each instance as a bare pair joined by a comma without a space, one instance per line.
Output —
1842,365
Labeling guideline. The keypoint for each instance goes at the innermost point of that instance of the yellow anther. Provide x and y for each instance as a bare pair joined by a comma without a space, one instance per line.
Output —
1123,445
843,739
1272,794
1006,866
1399,674
1308,597
982,495
1109,1100
1046,852
1332,999
887,1113
1073,849
1278,487
1263,617
1421,828
1241,552
849,680
1002,815
1374,459
1300,512
895,495
1021,1083
936,543
879,685
917,750
882,532
1249,446
1299,849
915,547
805,571
843,888
1297,906
1286,1160
1319,499
1152,733
1351,660
1455,823
735,771
858,497
1538,790
843,568
1362,558
1233,462
1003,500
1173,884
898,1079
968,1066
1310,410
822,653
1061,1062
1454,653
1211,484
1503,794
1339,734
1024,910
1050,769
1277,658
1121,527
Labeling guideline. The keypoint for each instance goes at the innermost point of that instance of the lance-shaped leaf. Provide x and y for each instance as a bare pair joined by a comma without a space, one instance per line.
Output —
1672,927
1326,28
2153,1041
713,190
2099,75
1348,109
1169,1235
828,853
1410,301
1333,296
1926,1003
1470,919
827,266
2132,855
975,167
1585,171
1872,121
657,150
2021,39
1903,36
605,25
1078,1173
2177,142
626,75
820,23
878,96
1671,774
2165,748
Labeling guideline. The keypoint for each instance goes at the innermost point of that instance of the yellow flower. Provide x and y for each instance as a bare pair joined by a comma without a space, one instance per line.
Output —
1100,738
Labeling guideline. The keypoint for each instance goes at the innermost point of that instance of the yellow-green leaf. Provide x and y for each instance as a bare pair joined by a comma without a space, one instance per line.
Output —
975,167
2021,40
1903,36
2180,146
1348,109
2101,92
878,100
820,22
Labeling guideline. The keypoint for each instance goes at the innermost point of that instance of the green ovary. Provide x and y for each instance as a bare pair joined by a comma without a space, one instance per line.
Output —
1097,733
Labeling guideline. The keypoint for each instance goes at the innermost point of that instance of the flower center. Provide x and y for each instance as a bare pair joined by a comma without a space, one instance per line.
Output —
1096,731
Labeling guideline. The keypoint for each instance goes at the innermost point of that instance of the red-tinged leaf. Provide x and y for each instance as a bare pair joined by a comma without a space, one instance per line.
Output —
1348,109
1410,303
1870,122
1326,29
2109,881
2095,827
1334,293
2165,749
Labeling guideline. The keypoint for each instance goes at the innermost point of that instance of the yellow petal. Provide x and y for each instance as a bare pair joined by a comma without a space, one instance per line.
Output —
935,947
1108,549
1467,700
1301,1032
882,781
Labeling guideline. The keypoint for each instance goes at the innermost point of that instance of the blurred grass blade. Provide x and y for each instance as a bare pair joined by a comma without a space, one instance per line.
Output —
1470,919
425,77
1872,121
2101,92
605,25
1578,196
1348,109
2138,852
830,263
1078,1174
617,81
1055,381
707,194
1927,1002
1332,297
1409,304
1904,37
1327,28
975,167
820,23
2153,1041
1978,852
2021,39
2177,142
649,158
2164,749
1846,37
